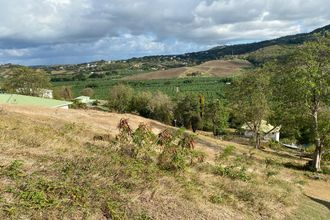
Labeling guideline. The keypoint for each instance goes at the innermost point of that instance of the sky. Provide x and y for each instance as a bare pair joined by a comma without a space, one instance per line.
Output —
39,32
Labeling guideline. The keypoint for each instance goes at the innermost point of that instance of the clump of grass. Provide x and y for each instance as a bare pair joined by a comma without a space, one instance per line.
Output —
228,151
219,198
233,172
270,173
112,210
142,216
14,169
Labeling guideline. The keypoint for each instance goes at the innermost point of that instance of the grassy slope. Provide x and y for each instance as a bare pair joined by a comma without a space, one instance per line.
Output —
219,68
50,166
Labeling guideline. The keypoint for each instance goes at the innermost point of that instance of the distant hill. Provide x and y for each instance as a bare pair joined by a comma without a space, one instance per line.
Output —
239,49
174,65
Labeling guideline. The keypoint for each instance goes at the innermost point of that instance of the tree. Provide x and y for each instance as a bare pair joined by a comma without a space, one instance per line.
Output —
217,114
161,107
140,103
87,92
304,85
188,110
120,98
27,81
249,101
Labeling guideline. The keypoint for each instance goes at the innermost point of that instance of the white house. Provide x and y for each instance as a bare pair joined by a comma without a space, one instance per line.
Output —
270,132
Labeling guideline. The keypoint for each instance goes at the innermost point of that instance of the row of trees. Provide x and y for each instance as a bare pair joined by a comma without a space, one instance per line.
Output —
26,81
188,110
294,93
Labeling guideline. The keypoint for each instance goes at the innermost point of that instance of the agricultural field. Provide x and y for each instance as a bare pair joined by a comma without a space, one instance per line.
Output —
210,87
215,68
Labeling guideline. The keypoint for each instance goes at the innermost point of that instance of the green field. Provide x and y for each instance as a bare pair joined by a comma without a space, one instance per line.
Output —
210,87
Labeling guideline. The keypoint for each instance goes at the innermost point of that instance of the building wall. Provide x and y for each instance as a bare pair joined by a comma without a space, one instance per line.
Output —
272,136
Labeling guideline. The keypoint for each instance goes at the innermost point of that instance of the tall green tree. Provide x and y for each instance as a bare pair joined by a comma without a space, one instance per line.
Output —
217,114
304,86
27,81
249,100
187,112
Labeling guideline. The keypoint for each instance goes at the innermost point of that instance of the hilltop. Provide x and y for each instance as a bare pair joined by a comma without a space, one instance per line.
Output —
64,164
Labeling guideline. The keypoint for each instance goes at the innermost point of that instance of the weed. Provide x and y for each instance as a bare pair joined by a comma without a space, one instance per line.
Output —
226,153
143,216
144,142
125,131
271,173
112,210
270,162
14,170
216,199
233,172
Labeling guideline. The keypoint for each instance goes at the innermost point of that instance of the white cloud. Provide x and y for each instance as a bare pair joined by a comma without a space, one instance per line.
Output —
132,28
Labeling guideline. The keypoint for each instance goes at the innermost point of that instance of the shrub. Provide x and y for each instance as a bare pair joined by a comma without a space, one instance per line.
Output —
178,156
63,93
120,97
187,141
125,131
274,145
144,142
87,92
140,103
161,108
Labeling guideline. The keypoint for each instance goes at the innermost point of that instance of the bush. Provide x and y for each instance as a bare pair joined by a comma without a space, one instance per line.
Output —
175,147
120,97
144,141
141,104
63,93
161,108
87,92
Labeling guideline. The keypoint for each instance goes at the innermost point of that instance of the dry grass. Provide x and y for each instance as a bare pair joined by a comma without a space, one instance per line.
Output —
51,166
219,68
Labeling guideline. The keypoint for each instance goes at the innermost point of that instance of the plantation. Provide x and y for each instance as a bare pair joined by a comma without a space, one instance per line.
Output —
210,87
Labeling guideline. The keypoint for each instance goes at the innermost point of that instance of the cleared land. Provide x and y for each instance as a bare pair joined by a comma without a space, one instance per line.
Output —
51,166
218,68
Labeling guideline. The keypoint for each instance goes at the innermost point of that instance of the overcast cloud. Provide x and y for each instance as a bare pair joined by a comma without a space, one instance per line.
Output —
72,31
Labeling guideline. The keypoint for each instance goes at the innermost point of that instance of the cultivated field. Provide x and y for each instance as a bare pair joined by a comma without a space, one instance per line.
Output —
218,68
53,166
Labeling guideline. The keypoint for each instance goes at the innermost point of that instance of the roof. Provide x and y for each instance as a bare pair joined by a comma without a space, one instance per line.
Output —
264,127
31,101
82,97
85,99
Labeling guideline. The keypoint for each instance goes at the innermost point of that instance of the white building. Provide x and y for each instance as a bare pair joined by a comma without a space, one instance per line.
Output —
269,132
